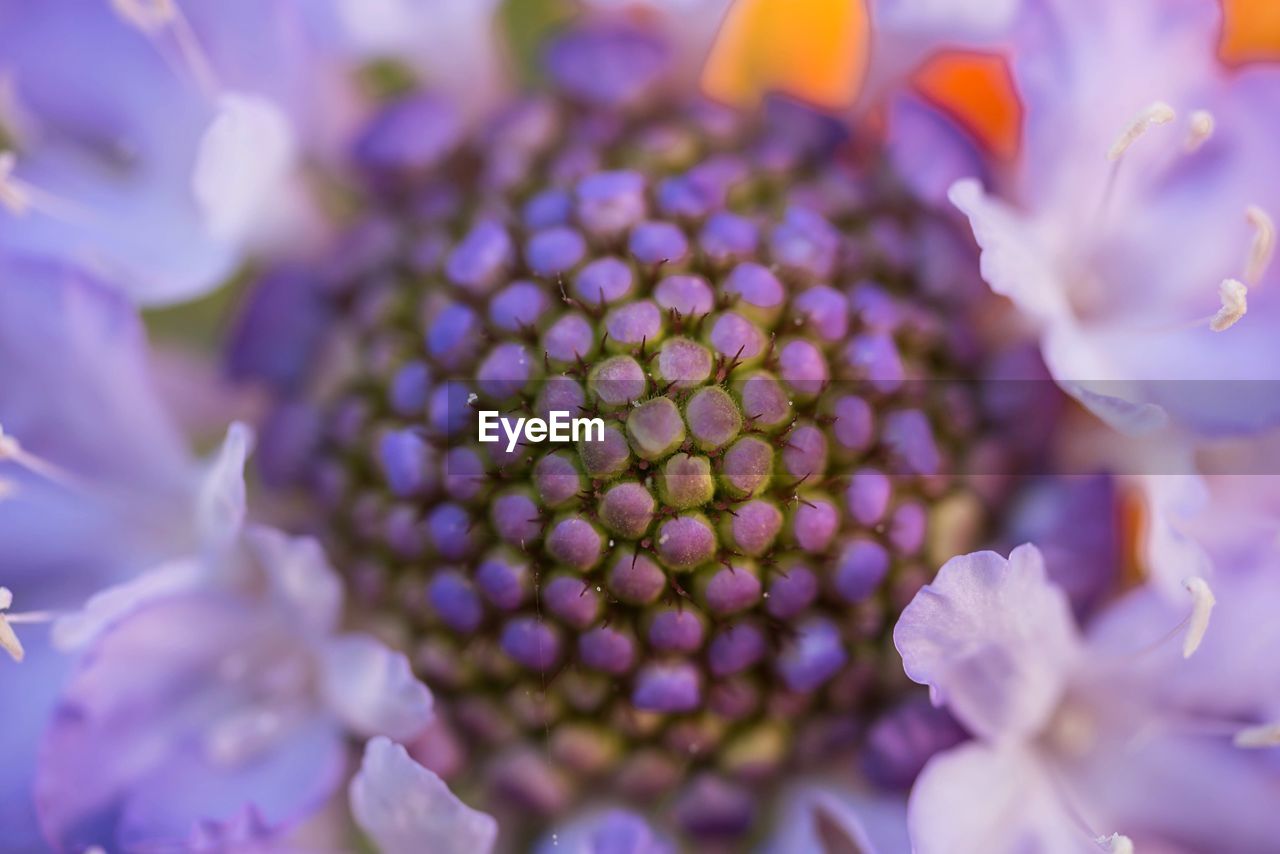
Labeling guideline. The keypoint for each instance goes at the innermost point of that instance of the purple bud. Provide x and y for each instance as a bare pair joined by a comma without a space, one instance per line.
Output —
860,568
505,372
755,526
812,656
287,443
803,368
605,458
627,510
574,542
603,281
447,409
690,296
675,687
756,289
685,481
608,650
503,579
607,66
735,337
907,528
747,466
454,336
658,243
875,357
713,417
727,238
450,529
735,649
409,388
515,518
684,362
676,630
479,262
464,474
633,324
556,479
655,428
764,401
409,136
610,203
877,310
636,579
685,542
813,524
569,339
867,497
804,455
518,306
854,427
617,381
554,251
405,460
532,643
805,244
572,600
547,209
711,806
824,310
455,602
909,438
904,739
279,330
791,592
731,589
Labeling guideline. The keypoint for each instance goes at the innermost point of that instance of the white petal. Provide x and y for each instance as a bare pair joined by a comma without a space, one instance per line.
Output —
372,689
406,809
300,574
242,166
220,504
104,609
995,639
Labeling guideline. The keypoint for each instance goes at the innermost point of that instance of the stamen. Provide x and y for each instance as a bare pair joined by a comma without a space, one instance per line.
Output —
11,450
14,196
8,638
1202,602
1264,244
1258,737
1235,303
1200,128
153,17
1158,113
1116,843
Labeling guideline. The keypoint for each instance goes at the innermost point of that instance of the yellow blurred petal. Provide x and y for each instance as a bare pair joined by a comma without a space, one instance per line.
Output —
977,90
1250,31
814,50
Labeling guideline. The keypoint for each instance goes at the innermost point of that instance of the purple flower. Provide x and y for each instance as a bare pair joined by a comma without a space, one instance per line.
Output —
1078,736
232,690
1146,181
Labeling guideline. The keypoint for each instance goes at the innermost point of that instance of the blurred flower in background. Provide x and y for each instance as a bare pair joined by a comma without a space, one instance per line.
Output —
312,238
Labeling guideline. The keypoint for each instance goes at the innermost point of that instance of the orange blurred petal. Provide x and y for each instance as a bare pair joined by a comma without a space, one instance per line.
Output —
1250,31
977,90
815,50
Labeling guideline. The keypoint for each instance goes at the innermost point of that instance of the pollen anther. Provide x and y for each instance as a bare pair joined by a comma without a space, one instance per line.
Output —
1258,737
1157,113
1235,303
1202,602
1199,128
1263,246
1116,843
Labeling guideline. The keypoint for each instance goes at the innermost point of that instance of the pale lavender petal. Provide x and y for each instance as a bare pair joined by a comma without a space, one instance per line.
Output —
979,798
104,609
825,819
300,574
220,498
994,640
372,689
406,809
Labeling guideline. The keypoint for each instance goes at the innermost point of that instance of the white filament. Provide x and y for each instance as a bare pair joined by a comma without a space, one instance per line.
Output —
1116,843
1202,602
1157,113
